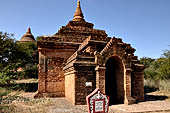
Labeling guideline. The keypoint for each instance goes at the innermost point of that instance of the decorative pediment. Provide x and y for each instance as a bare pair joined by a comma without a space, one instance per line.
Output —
115,47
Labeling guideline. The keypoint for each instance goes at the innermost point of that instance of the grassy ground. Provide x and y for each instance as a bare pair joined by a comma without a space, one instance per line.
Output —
158,84
158,90
19,94
22,101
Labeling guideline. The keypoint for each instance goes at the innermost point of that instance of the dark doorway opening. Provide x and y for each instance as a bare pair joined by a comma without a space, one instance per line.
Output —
114,81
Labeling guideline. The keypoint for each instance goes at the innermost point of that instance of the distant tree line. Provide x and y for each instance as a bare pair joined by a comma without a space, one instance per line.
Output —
17,60
157,69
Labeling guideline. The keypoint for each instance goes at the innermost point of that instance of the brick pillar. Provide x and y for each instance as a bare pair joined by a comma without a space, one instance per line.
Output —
100,78
127,86
42,76
138,86
44,73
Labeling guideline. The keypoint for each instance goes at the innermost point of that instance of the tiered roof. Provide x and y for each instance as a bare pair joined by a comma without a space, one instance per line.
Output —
27,37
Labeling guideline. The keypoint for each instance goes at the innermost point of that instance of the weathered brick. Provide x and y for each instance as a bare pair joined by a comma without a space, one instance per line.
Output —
78,59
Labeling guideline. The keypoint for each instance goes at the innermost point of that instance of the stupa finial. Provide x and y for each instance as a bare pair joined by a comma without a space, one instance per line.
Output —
29,30
78,15
27,37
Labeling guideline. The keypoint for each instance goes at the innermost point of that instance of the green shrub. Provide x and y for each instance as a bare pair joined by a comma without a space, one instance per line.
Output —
157,69
14,55
29,73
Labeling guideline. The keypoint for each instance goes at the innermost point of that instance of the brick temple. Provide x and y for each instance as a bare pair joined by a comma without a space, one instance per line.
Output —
78,59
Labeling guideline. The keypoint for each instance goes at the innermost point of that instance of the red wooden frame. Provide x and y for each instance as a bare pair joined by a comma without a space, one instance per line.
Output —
91,95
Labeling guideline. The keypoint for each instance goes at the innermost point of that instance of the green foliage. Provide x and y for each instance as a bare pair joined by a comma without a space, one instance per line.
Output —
6,100
4,92
6,48
165,66
29,65
9,60
29,72
38,38
158,69
29,52
166,53
14,55
146,61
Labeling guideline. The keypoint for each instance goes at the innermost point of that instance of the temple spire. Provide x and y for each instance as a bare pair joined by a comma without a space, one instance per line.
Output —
27,36
29,30
78,15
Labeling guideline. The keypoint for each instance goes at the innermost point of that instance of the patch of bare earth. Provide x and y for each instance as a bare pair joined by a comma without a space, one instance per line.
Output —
32,80
155,102
27,104
23,102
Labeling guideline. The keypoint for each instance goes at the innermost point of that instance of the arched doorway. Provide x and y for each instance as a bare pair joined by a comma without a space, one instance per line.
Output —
114,80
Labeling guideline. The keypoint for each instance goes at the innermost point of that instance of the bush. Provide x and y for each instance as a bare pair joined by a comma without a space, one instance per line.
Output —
7,75
14,55
30,72
153,85
164,85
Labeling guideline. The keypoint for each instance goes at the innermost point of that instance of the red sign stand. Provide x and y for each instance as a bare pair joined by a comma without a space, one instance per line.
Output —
97,102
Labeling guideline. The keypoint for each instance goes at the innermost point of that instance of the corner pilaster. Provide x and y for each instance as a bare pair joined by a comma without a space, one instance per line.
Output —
127,87
100,78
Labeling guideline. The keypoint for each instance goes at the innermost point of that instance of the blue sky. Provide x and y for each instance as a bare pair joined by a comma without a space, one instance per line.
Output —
145,24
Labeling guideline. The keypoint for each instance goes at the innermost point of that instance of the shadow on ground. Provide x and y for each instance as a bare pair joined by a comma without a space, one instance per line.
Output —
148,89
152,97
155,97
27,87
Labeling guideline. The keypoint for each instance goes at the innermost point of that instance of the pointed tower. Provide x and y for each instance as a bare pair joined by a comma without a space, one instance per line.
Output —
27,37
78,15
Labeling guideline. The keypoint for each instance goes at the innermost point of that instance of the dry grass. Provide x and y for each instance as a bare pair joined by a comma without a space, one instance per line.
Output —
32,80
20,102
13,100
23,102
158,84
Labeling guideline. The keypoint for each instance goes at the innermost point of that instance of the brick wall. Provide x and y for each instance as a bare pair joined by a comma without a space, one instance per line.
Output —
51,75
138,86
85,76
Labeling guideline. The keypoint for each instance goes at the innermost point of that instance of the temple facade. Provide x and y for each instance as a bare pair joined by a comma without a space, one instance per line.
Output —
78,59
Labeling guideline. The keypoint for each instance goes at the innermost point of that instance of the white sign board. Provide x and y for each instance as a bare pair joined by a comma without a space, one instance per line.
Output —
99,106
88,83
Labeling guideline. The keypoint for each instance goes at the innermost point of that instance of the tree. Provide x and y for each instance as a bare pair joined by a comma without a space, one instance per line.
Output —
29,64
38,38
165,67
13,55
146,61
166,53
8,58
158,69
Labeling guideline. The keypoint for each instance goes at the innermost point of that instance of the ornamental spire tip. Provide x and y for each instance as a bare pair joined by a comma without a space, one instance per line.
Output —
78,15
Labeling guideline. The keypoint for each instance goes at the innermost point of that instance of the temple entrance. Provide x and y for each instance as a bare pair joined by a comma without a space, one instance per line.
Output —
114,80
